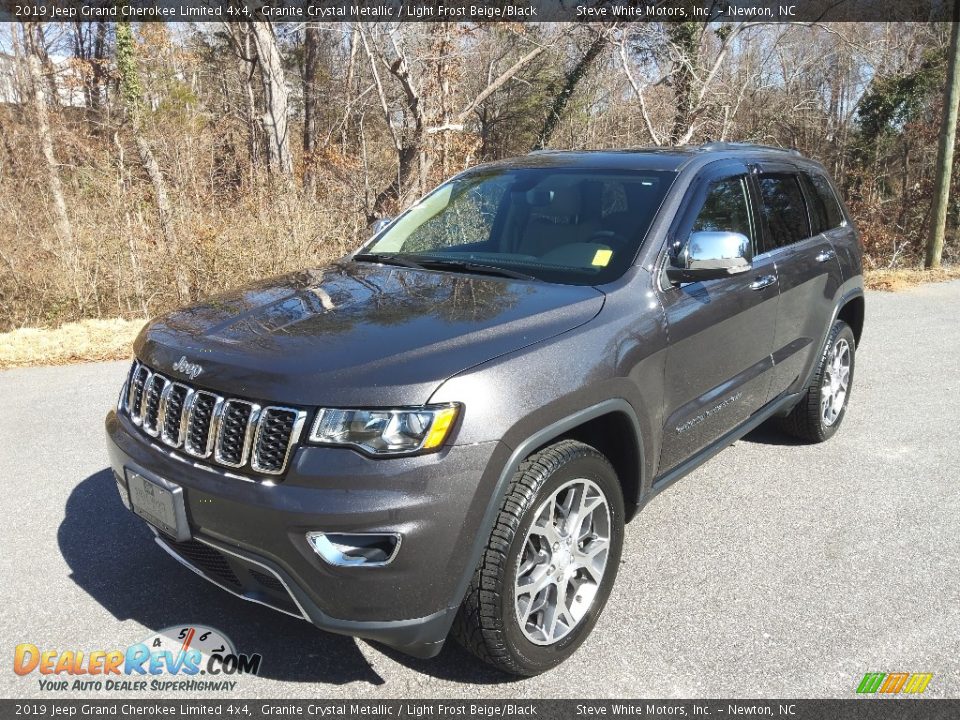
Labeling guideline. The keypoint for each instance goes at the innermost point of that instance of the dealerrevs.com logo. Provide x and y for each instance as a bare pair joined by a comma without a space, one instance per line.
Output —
180,658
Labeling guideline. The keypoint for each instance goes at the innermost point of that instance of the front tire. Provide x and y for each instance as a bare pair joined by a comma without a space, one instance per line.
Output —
824,403
549,564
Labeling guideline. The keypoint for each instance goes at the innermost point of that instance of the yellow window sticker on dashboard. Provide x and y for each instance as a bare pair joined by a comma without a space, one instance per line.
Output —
602,258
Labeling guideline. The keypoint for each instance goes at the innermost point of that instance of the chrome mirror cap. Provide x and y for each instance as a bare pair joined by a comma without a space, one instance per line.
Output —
711,254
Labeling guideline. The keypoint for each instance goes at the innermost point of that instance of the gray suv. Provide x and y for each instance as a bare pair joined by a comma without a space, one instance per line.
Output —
447,430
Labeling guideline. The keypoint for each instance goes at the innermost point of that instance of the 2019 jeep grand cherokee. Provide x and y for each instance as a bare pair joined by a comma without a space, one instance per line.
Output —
450,427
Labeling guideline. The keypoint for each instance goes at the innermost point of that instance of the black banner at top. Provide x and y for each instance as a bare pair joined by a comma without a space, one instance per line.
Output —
765,11
116,708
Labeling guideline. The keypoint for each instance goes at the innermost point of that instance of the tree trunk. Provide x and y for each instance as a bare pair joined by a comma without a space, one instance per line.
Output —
408,157
54,186
948,136
685,38
311,65
276,98
570,83
130,91
64,228
246,67
348,90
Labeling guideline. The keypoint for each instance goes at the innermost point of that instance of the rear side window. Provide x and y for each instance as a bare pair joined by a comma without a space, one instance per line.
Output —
784,209
827,208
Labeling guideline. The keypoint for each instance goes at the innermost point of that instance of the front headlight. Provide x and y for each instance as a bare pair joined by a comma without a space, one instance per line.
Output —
385,432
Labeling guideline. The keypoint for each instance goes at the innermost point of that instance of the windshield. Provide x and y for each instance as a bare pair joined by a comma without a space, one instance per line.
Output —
580,227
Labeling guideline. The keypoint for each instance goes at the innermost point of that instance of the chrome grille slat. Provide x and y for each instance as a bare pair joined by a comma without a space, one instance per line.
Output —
278,429
222,430
152,404
201,422
176,403
138,380
235,431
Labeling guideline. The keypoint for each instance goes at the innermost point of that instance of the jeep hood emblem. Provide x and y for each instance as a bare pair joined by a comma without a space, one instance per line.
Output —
188,368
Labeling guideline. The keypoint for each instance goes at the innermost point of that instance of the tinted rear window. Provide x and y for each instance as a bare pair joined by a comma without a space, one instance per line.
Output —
784,209
828,211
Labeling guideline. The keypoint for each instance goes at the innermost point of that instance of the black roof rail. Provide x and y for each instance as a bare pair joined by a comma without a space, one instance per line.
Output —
718,145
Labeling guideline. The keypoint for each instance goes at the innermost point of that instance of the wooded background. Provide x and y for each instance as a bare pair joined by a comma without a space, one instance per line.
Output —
146,165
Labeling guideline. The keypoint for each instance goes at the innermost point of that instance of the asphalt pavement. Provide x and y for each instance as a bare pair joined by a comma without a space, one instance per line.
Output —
775,570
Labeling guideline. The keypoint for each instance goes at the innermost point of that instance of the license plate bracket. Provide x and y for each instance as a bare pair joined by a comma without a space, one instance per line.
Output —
160,503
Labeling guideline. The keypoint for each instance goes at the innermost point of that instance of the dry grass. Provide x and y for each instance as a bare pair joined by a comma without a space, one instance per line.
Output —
84,341
903,278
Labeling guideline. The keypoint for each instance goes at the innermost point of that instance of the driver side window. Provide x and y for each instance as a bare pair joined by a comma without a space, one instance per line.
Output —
726,208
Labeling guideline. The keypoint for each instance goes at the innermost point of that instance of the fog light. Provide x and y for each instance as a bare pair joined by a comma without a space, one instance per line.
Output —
122,489
355,549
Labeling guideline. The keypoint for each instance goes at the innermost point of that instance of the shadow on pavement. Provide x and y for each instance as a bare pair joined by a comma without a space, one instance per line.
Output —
453,664
769,435
113,557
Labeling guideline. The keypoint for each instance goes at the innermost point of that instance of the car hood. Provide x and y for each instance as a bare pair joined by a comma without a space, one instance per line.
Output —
358,334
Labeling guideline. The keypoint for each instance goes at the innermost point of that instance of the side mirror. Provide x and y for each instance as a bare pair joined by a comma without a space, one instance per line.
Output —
709,255
377,226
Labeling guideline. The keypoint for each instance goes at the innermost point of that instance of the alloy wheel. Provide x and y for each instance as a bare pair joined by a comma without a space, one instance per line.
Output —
562,561
836,382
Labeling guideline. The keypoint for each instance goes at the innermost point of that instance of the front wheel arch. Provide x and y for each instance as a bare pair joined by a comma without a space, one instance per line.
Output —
615,437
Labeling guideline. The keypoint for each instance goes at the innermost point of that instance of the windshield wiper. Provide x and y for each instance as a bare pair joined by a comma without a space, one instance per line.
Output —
477,268
388,259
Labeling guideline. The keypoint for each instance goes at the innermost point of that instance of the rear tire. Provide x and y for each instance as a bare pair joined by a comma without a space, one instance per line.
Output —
549,564
824,403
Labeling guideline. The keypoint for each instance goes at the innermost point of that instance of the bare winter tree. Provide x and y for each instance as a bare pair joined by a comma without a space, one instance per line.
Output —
38,91
311,101
427,114
276,97
573,77
132,93
177,114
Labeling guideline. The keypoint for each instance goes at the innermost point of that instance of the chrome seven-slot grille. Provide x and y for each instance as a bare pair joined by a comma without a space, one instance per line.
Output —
224,430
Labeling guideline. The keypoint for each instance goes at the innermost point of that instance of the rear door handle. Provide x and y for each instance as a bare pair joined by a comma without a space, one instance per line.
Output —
763,281
825,255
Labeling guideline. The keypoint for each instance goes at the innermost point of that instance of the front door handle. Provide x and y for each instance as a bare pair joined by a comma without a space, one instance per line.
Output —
763,281
825,255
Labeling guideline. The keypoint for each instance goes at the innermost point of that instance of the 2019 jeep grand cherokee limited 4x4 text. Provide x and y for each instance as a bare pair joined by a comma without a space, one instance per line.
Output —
448,429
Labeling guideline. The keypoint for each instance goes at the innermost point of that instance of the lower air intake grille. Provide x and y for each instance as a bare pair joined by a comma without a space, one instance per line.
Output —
268,581
204,557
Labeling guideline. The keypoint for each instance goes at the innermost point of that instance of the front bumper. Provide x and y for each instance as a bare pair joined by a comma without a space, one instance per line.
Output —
250,537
